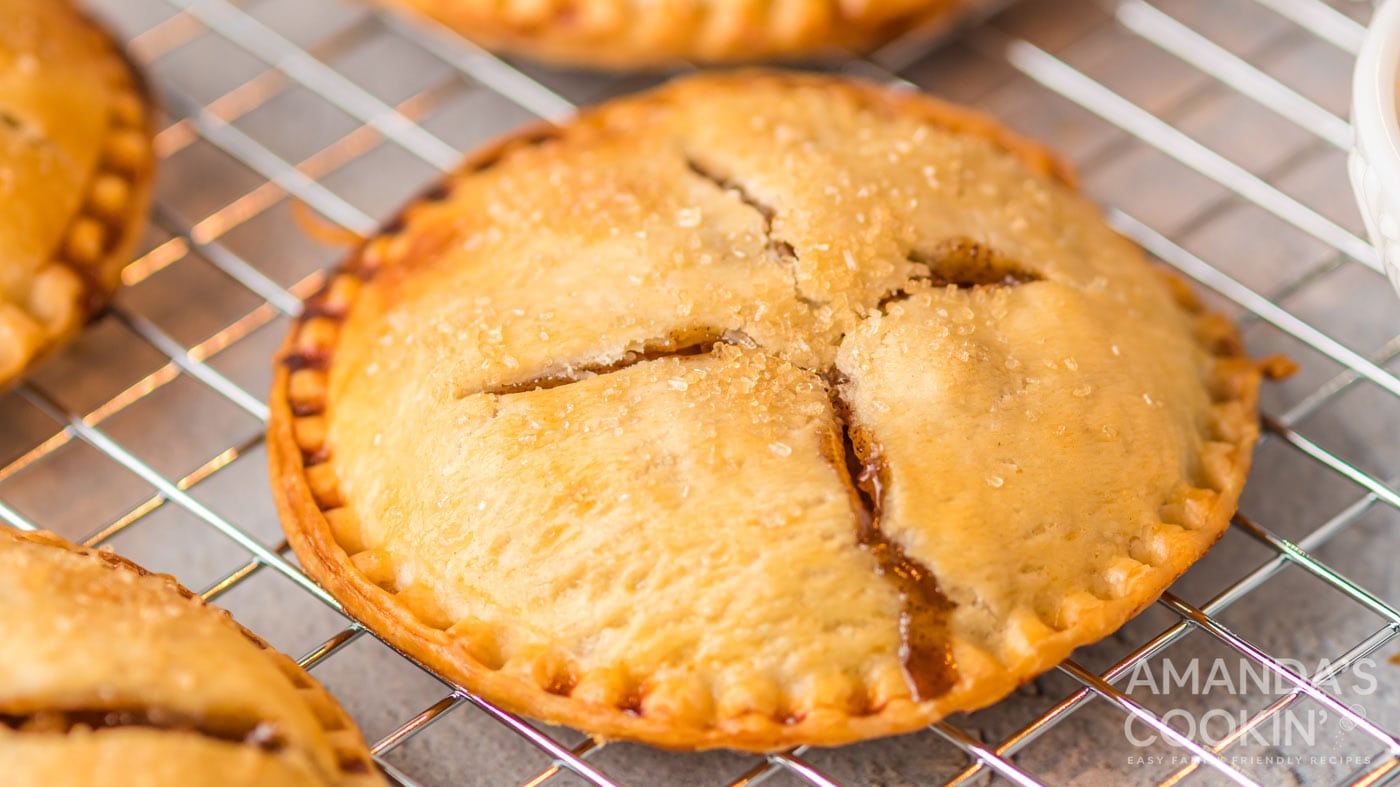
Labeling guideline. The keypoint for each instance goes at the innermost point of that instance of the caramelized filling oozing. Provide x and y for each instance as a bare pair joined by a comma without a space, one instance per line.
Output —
926,649
262,735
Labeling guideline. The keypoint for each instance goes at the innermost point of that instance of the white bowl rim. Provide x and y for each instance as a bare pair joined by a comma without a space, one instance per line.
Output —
1375,114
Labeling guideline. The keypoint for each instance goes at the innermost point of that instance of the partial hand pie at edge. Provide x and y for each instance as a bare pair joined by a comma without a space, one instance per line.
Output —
669,33
73,264
131,670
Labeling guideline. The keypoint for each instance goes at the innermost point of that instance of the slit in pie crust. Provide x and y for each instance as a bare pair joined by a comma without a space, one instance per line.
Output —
76,124
113,674
757,410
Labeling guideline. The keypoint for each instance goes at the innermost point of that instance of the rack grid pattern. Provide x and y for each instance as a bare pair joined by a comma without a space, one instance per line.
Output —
237,168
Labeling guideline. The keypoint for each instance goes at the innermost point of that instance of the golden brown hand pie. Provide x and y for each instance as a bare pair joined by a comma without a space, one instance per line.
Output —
757,410
625,34
113,675
75,173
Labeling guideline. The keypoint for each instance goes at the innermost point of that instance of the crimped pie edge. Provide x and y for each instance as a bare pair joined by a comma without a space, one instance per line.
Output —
624,34
97,277
305,491
353,758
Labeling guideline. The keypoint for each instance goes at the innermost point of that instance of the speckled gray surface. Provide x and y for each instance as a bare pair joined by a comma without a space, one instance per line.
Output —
184,430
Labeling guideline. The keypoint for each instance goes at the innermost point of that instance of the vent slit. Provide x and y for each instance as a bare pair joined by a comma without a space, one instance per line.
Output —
699,342
965,264
925,650
262,735
775,246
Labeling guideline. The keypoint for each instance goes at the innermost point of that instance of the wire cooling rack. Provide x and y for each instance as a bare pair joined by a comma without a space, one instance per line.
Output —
1213,131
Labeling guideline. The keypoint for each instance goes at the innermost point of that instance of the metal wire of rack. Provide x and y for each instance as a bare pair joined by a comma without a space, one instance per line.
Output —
157,412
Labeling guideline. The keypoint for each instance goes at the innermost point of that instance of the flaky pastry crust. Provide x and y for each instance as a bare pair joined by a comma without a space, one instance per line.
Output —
623,34
758,410
114,675
76,124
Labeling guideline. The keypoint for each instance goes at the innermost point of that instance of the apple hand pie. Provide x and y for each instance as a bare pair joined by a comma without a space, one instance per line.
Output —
754,411
116,676
75,173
